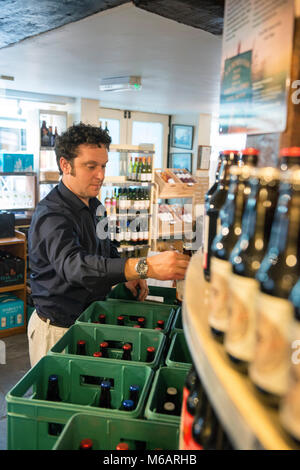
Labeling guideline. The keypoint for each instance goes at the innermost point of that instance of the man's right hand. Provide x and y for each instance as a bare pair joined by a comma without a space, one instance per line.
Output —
168,265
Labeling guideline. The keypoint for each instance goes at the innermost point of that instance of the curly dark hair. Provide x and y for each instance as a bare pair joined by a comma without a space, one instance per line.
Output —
66,145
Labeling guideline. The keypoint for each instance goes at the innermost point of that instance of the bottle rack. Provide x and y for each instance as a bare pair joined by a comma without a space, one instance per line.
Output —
122,182
17,246
249,423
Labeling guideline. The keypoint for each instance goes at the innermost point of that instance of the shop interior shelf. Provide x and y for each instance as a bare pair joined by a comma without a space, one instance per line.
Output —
249,423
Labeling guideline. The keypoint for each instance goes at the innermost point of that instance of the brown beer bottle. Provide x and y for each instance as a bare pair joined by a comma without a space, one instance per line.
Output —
231,228
213,206
246,258
277,276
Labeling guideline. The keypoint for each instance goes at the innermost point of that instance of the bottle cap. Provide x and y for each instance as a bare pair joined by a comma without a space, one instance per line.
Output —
121,317
290,152
151,349
106,384
86,444
81,342
172,391
169,406
136,326
228,152
53,378
102,316
141,320
134,388
104,344
128,404
250,151
160,322
158,328
127,347
97,354
122,446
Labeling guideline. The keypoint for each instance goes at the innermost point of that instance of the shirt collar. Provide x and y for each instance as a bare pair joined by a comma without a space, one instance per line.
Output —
74,200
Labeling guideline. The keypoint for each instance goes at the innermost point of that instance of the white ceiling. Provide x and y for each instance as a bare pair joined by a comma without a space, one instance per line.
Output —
179,65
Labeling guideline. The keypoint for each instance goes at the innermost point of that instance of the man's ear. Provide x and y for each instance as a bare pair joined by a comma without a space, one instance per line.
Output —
65,166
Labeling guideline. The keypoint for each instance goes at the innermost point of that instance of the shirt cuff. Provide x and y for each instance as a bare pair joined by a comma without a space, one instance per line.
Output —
115,268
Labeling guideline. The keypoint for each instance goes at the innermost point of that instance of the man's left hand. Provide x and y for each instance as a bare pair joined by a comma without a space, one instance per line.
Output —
133,286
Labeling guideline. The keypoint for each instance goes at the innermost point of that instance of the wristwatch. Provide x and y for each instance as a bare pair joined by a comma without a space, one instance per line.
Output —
141,268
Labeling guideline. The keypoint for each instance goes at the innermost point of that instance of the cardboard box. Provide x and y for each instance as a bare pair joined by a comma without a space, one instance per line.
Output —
11,311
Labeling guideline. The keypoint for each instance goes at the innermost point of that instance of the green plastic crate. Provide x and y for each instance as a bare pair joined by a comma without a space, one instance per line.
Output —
165,377
179,354
131,311
106,433
165,295
29,413
93,335
177,326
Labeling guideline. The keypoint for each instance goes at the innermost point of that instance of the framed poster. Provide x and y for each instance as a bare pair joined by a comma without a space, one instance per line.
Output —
181,160
182,136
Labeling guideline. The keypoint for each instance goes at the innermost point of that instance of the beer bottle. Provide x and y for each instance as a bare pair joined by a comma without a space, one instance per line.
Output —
290,404
127,405
86,444
134,391
126,356
102,318
122,446
231,228
160,324
53,388
104,348
141,321
187,249
213,206
120,320
277,276
203,435
289,157
81,348
150,354
172,396
105,398
214,186
246,258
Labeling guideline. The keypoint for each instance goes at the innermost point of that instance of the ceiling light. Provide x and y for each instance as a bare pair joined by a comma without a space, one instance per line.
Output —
115,84
7,77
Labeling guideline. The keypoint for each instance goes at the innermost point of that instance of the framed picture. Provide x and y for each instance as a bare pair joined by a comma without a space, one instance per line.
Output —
203,160
180,160
182,136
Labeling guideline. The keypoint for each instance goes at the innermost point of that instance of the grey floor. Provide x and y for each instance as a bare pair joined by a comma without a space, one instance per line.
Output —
17,364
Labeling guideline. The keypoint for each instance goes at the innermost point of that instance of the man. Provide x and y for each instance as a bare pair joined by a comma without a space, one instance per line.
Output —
70,266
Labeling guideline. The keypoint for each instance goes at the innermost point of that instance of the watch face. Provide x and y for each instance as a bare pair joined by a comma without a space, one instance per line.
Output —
142,267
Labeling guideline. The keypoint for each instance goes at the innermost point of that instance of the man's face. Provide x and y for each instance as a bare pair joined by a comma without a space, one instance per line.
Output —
86,175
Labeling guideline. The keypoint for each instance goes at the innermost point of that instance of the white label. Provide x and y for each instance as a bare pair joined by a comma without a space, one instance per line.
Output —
269,369
290,406
155,298
218,312
240,336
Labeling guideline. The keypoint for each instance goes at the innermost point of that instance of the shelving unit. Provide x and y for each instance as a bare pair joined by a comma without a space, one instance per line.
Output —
171,233
10,189
17,246
122,181
249,423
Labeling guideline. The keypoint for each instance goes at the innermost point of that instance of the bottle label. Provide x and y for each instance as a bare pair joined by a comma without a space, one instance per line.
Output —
218,312
240,336
269,369
206,235
180,289
290,407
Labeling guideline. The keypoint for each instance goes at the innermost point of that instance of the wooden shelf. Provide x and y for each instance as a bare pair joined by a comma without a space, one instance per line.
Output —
12,288
249,423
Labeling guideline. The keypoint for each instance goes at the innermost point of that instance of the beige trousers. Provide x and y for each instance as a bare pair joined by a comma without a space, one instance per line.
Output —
41,337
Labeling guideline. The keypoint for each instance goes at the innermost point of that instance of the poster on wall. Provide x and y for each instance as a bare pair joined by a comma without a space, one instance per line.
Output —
256,65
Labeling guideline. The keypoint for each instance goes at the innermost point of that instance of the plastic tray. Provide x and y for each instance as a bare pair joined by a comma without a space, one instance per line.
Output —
107,433
165,377
131,311
179,354
29,413
93,335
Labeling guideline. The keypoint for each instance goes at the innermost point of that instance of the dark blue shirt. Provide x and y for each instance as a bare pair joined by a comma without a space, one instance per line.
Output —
70,266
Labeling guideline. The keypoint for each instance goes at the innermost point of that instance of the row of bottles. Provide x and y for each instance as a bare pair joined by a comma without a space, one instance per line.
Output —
126,320
252,262
130,232
48,135
106,346
200,427
127,201
140,169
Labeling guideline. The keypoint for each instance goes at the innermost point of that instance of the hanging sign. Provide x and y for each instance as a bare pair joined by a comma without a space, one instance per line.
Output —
256,65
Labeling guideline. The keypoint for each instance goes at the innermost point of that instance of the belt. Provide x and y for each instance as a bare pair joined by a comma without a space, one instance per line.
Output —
44,319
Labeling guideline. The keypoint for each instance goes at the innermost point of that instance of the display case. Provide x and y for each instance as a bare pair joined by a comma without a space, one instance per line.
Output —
51,124
18,191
